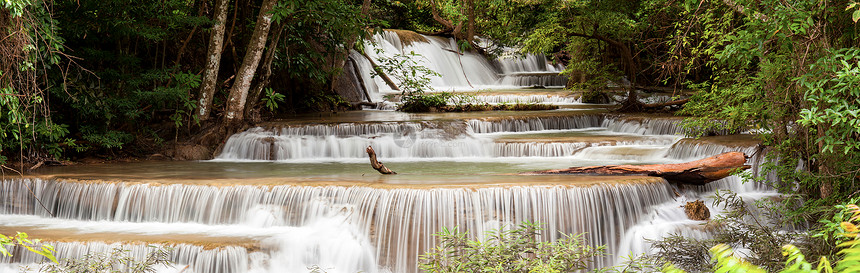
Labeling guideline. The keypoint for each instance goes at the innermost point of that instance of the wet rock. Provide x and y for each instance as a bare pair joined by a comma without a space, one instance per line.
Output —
157,157
348,85
192,152
697,210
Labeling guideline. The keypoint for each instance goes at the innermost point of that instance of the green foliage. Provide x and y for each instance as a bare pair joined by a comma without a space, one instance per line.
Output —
424,102
413,78
414,81
310,30
117,260
272,98
641,263
30,44
111,113
508,250
324,102
759,227
592,38
787,70
22,240
832,90
847,260
834,230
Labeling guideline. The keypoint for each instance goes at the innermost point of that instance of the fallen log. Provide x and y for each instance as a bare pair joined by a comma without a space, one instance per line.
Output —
376,164
697,172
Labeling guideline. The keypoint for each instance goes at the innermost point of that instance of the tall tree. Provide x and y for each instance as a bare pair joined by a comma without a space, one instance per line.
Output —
213,60
239,91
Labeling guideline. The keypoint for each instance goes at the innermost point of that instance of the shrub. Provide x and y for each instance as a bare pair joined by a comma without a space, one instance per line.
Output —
513,250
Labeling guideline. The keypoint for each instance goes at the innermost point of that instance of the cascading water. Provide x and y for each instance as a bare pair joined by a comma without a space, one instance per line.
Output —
459,70
411,141
331,226
194,258
530,70
355,226
666,219
526,99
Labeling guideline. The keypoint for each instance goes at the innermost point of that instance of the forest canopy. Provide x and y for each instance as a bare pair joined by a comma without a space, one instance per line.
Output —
119,78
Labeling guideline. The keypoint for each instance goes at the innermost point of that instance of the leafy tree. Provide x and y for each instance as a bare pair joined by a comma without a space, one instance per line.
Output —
787,70
30,44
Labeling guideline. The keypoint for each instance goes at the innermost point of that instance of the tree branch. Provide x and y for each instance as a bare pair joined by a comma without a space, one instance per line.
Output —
376,164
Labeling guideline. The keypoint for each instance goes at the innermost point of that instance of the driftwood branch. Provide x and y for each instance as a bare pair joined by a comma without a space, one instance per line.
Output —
697,172
376,164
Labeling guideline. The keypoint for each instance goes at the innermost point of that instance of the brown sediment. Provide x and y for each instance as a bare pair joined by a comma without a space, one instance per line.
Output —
640,117
63,235
520,92
527,138
743,140
407,37
478,107
386,117
377,181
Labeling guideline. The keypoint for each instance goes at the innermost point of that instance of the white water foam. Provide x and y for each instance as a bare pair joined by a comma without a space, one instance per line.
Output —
303,222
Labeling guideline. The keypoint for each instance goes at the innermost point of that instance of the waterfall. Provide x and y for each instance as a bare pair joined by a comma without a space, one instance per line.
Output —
530,70
398,223
474,138
513,99
666,219
534,123
463,139
384,227
459,70
649,126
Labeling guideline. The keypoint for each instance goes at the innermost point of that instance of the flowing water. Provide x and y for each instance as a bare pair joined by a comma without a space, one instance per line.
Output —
294,195
299,194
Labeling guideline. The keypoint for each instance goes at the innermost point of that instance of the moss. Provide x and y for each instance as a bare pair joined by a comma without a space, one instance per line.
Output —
407,37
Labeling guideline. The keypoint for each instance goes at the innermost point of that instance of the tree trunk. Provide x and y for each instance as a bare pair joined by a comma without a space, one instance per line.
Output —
213,62
266,69
470,26
632,102
438,18
697,172
239,91
184,46
381,73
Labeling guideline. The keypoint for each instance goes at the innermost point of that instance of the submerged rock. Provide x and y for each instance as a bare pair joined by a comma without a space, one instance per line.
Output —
697,210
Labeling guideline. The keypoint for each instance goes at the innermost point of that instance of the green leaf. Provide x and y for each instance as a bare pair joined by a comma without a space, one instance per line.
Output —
856,16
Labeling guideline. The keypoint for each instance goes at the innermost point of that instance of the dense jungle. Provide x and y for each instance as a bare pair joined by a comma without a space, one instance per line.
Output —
517,136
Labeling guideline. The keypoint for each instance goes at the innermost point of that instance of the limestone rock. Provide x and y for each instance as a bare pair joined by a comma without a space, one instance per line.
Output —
192,152
697,210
